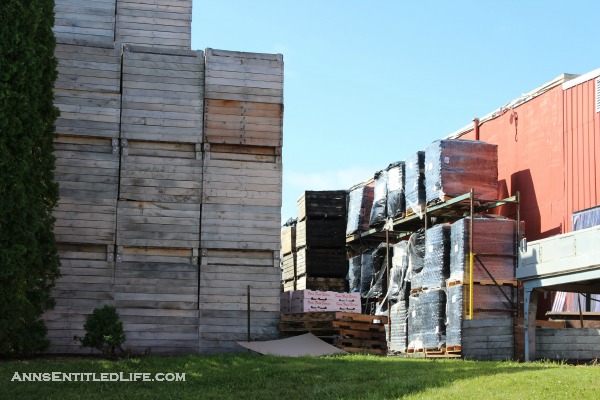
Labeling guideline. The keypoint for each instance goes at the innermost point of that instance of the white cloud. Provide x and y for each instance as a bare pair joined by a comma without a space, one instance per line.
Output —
326,180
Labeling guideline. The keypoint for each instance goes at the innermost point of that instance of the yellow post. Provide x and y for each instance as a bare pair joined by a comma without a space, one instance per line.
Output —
470,285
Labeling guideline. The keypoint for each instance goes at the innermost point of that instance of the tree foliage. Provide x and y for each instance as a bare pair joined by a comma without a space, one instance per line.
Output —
103,331
29,263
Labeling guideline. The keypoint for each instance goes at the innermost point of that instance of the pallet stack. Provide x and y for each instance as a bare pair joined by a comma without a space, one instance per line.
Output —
354,333
158,216
494,247
427,302
241,201
158,212
320,242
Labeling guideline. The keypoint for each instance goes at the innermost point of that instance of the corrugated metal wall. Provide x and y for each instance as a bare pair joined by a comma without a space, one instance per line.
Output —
581,149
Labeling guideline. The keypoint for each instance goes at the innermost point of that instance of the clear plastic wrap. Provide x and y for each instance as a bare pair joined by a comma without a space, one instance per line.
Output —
436,263
366,272
453,167
415,322
395,198
414,182
354,269
493,241
397,289
379,282
432,306
360,201
454,315
416,254
399,328
379,209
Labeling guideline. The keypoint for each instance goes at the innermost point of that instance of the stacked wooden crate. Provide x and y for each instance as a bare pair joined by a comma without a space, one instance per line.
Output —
137,174
161,23
320,240
494,306
87,92
89,20
241,198
158,212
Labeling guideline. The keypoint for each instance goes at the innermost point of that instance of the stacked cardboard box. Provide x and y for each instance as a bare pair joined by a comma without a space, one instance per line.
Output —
320,301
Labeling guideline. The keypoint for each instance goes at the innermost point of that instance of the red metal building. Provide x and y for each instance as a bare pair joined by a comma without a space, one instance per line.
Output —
548,150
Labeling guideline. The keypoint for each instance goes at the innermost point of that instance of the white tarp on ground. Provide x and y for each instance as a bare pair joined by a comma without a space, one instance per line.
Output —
295,346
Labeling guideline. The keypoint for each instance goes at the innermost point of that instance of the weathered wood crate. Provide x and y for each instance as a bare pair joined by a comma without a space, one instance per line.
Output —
87,171
92,19
160,23
321,283
86,283
163,91
156,294
488,339
243,122
159,194
245,77
87,88
241,201
288,239
224,279
326,263
322,204
321,233
288,265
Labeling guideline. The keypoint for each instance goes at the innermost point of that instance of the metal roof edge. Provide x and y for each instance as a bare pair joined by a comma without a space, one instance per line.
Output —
581,79
524,98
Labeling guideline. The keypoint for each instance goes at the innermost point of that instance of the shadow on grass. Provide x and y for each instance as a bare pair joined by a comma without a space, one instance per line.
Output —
251,376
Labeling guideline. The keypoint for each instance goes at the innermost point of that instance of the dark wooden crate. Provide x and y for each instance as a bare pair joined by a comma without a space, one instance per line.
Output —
322,204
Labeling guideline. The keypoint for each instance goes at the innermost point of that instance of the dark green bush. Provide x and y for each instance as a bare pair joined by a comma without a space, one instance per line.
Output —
29,263
104,331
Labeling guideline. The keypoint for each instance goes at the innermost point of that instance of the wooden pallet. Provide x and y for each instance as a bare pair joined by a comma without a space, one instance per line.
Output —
501,282
361,343
314,316
359,326
348,333
352,317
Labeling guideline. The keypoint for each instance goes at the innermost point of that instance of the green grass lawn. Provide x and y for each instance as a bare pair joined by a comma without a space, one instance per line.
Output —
251,376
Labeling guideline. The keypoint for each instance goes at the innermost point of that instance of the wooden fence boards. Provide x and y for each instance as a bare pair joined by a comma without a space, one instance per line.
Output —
87,171
162,95
161,23
92,19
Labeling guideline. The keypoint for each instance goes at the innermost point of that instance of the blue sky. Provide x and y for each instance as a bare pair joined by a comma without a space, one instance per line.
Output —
367,83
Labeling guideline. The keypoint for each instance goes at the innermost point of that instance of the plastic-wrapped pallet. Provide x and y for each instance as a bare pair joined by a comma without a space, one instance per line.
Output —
453,167
454,315
415,322
379,209
436,264
354,269
488,303
414,182
416,255
494,242
395,197
399,331
366,272
379,281
360,201
432,307
398,287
